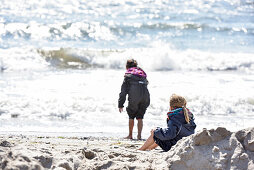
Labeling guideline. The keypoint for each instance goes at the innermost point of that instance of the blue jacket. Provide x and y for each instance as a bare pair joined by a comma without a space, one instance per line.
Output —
177,128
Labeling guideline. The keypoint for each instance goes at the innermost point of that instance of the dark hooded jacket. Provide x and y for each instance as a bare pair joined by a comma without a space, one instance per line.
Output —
135,85
177,128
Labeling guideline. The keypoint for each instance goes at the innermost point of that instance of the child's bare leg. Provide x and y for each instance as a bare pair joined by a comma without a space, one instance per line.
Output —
140,127
153,146
131,125
149,142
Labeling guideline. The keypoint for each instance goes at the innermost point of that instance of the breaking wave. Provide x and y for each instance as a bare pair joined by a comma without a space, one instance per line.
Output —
155,59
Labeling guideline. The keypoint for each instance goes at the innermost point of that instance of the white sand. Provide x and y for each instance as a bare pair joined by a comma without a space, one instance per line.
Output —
207,149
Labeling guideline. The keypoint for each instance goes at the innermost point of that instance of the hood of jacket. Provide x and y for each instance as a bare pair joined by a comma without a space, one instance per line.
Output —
136,71
178,114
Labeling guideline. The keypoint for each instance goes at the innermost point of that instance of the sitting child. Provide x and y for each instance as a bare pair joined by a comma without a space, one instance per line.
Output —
180,124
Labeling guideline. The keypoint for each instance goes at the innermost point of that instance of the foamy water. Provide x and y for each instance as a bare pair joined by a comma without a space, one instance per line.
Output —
62,63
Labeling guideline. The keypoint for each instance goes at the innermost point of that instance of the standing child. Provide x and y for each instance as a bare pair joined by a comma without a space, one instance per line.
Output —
180,124
135,85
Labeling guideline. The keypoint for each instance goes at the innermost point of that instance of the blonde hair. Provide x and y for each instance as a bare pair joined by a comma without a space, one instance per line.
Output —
177,101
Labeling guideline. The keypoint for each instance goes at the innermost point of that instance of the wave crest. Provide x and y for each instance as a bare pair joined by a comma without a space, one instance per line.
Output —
73,58
160,58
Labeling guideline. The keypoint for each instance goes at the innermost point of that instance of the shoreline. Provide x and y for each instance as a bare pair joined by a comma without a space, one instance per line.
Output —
64,134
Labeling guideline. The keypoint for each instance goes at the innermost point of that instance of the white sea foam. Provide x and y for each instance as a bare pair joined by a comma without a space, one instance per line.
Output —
86,101
22,59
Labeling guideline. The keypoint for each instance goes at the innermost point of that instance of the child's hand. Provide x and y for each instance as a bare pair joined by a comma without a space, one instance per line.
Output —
152,130
121,109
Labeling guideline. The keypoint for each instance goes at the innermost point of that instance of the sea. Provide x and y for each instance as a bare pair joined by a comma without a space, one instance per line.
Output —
62,63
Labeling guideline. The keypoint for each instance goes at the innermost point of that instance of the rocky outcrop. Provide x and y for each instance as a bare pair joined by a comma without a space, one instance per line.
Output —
214,149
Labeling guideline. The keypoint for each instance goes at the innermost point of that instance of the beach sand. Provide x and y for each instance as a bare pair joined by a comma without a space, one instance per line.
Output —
206,149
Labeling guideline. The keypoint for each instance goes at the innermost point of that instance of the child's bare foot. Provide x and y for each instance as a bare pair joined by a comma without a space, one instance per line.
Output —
128,137
139,137
141,149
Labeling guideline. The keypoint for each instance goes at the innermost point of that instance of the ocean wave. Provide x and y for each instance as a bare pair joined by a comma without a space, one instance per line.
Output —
21,59
2,66
234,67
155,59
75,58
62,31
106,31
106,59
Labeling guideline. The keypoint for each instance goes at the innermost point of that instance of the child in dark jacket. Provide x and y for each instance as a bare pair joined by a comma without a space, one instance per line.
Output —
135,85
180,123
